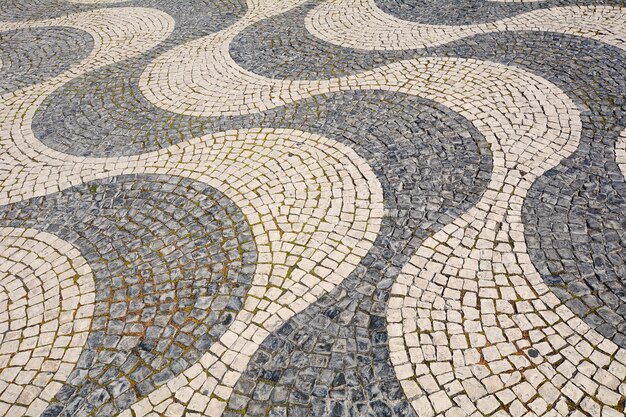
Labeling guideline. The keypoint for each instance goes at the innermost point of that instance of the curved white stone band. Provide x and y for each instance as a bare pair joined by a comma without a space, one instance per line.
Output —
360,24
46,306
118,33
314,205
315,208
468,307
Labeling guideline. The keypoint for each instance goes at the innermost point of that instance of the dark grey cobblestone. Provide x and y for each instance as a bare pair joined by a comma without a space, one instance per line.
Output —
332,359
281,47
466,12
33,55
14,10
104,113
575,215
207,12
172,260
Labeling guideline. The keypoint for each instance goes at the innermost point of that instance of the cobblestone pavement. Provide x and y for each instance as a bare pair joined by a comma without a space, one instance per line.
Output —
294,208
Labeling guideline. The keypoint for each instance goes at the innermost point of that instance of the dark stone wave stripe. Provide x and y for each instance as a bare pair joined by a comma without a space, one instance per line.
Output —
172,260
281,47
15,10
432,163
33,55
103,113
333,358
186,13
575,214
467,12
587,71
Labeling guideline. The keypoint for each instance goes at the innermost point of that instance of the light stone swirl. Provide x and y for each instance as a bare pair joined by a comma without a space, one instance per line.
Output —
46,305
118,34
360,24
473,329
314,205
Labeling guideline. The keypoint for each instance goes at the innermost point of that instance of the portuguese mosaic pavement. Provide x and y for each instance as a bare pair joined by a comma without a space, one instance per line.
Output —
293,208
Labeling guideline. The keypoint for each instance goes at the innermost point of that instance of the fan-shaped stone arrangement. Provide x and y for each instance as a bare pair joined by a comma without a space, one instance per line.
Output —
294,208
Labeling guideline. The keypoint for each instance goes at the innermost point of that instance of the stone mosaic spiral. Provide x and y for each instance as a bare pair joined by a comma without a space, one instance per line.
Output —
294,208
